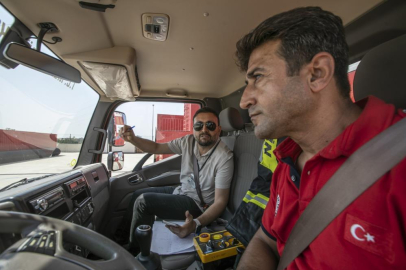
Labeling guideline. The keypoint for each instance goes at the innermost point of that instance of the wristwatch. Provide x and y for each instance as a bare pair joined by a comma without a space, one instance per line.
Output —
198,226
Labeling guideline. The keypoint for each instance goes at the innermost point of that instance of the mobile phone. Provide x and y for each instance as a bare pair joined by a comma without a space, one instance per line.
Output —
170,223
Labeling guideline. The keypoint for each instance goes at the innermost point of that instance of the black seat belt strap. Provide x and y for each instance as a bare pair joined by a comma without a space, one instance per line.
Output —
360,171
196,177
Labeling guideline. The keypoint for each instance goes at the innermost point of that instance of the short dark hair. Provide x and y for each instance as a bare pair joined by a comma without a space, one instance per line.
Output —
207,110
303,33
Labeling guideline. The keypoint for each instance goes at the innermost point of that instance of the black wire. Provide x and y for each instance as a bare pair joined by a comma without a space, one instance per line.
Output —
48,42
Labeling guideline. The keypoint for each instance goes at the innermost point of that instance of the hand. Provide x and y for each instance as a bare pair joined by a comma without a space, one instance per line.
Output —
186,228
126,133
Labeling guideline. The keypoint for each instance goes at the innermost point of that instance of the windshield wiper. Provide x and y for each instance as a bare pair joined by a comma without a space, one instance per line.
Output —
24,181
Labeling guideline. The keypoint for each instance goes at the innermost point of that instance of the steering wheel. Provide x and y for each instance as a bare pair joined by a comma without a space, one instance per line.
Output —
42,245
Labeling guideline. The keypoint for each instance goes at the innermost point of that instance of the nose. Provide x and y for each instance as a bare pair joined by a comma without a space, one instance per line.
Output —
205,129
248,98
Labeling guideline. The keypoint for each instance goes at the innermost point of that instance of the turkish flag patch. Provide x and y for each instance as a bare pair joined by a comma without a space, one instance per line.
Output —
367,236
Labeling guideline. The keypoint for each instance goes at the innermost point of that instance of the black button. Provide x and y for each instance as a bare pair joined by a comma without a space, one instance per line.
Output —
157,28
148,27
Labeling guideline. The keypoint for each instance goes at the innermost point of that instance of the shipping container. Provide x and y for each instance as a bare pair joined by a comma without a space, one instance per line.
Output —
23,145
170,127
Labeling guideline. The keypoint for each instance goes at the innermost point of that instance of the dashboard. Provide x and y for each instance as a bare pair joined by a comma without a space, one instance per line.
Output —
79,196
71,202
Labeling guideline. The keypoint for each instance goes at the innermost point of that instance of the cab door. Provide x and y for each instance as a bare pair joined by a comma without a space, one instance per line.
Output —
157,121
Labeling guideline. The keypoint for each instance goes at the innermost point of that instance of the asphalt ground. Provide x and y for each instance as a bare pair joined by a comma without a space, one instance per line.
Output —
13,172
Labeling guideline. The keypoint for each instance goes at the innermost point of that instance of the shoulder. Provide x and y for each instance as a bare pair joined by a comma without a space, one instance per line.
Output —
181,145
185,140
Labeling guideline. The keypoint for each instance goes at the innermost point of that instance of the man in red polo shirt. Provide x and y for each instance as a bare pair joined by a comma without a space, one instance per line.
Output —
297,86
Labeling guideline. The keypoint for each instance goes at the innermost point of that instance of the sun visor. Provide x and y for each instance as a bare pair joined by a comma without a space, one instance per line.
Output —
112,70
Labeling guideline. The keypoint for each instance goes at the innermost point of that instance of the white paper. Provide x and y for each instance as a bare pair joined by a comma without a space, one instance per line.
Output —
164,242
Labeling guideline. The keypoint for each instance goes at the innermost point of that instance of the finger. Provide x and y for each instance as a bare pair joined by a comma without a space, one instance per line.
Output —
172,228
169,227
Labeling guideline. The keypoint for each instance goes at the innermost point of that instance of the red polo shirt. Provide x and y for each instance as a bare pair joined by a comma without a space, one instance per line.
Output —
371,232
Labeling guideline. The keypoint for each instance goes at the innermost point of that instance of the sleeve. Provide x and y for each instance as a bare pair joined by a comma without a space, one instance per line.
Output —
225,174
269,213
178,145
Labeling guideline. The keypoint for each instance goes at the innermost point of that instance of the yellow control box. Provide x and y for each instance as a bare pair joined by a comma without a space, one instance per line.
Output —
215,246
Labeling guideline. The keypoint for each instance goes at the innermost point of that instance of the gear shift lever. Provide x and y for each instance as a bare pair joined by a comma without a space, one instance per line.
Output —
143,235
150,260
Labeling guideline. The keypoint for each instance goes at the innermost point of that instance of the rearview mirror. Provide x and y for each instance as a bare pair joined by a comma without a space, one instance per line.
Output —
115,161
119,120
41,62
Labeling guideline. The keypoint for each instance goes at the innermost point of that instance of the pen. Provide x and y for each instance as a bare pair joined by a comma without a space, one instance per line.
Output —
118,136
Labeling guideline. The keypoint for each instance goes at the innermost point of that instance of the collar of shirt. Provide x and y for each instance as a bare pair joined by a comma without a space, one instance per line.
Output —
375,117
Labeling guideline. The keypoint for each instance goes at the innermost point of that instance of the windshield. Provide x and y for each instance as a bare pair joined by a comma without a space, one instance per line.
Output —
43,120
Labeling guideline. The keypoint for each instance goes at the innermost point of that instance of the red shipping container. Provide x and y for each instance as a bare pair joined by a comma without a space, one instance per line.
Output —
23,145
11,140
170,127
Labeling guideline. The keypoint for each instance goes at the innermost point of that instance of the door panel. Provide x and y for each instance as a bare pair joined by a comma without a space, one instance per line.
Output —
162,173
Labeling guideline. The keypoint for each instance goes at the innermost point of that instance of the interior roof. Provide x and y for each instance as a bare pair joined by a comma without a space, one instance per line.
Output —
207,70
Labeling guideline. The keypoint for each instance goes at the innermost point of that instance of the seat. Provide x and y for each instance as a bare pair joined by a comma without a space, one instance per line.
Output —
381,73
231,124
247,149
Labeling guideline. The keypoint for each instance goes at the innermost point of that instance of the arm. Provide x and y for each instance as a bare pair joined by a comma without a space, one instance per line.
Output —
261,253
221,194
147,146
214,211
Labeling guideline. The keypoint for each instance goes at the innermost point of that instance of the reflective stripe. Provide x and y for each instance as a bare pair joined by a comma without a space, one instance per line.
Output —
268,159
258,199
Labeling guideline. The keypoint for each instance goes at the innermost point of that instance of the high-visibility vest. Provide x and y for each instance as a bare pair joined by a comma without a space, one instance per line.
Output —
247,218
259,192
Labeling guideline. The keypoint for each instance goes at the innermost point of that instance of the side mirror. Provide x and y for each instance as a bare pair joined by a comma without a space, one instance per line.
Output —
115,161
119,120
39,61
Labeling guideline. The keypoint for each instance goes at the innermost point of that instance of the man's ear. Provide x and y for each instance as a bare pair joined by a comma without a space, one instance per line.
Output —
321,71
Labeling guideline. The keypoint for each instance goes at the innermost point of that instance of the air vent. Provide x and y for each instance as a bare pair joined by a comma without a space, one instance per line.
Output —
155,26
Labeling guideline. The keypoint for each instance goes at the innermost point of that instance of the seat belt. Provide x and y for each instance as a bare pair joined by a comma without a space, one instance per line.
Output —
196,171
360,171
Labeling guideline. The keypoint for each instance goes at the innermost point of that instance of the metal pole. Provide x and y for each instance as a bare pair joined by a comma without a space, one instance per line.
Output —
152,128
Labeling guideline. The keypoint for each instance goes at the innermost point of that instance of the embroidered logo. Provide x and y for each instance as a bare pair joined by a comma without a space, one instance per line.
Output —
369,237
278,201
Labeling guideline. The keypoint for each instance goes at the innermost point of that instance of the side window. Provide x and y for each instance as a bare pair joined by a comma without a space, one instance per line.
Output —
160,122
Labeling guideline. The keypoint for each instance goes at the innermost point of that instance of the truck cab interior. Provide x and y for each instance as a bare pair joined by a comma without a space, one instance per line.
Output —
129,53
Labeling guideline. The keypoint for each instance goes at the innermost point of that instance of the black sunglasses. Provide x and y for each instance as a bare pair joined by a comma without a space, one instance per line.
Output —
209,124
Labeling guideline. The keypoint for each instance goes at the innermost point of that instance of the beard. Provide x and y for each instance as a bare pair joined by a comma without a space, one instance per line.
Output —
264,131
205,142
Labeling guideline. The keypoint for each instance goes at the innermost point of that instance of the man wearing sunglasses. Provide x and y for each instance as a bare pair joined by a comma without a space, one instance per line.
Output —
215,170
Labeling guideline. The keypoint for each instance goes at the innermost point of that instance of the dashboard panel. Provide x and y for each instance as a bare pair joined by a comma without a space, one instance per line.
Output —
79,196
